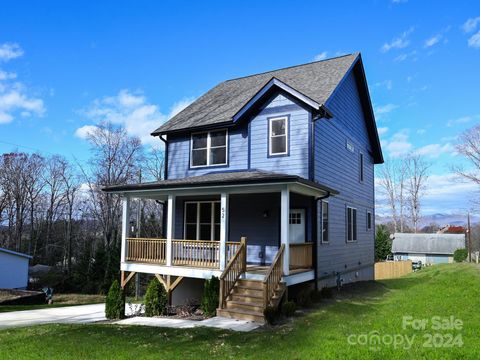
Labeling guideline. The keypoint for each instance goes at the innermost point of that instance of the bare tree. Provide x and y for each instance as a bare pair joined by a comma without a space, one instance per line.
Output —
417,172
469,146
154,164
116,160
388,184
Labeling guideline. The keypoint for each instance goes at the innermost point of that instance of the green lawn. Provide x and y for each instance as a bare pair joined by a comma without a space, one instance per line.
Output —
59,300
443,290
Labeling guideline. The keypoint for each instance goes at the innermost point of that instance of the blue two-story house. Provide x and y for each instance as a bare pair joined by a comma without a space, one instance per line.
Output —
269,182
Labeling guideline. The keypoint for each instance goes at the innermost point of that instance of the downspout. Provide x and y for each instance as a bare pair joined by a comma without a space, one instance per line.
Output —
315,243
165,163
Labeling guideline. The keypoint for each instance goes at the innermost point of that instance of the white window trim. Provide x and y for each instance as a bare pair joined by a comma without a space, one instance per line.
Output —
213,223
270,136
346,227
328,227
208,148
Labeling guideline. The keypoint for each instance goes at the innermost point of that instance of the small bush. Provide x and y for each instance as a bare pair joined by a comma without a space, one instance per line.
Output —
115,302
326,293
288,308
460,255
210,296
304,298
271,314
155,299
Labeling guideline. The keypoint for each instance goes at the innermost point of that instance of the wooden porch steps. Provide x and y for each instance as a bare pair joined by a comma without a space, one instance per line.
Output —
245,302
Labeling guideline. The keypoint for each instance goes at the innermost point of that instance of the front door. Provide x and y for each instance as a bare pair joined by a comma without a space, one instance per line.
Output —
297,226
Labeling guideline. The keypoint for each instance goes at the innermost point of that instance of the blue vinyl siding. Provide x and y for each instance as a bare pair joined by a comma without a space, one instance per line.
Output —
296,162
179,155
339,168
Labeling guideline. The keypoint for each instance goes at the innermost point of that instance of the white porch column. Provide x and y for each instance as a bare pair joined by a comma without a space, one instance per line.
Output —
125,226
223,228
284,228
170,226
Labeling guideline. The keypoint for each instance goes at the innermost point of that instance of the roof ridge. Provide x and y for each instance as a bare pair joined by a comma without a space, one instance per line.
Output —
292,66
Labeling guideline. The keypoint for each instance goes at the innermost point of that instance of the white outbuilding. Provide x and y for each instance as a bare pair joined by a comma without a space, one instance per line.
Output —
13,269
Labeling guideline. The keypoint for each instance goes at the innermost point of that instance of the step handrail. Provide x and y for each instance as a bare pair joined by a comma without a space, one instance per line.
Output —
234,269
273,277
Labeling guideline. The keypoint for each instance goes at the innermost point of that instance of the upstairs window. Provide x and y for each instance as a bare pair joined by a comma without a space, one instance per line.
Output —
209,148
278,136
351,224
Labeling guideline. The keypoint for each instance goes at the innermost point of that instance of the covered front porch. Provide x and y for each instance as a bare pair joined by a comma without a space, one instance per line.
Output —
209,218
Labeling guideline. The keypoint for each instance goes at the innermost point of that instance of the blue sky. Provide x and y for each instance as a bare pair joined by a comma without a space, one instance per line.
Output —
63,67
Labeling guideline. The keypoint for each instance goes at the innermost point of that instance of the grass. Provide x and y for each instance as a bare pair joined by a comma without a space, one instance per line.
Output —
443,290
59,300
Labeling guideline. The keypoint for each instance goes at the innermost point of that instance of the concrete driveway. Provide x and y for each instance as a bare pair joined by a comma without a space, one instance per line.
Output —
80,314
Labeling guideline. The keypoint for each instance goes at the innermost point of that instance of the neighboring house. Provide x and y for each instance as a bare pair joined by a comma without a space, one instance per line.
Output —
427,248
284,159
13,269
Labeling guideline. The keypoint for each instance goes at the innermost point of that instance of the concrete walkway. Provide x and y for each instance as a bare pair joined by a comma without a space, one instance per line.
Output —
83,314
79,314
215,322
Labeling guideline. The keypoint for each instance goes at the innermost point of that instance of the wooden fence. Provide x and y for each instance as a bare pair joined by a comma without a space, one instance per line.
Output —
392,269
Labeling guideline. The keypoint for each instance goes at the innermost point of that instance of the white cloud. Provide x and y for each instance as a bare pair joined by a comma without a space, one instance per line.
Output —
84,131
130,110
474,41
321,56
382,130
384,109
433,40
7,76
421,131
399,42
435,150
462,120
398,145
14,99
471,24
388,84
9,51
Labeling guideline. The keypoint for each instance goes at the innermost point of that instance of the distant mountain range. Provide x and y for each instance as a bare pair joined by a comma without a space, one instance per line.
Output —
440,219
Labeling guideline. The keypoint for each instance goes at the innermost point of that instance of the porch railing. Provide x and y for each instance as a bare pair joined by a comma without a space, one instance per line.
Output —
147,250
301,256
196,253
234,269
273,277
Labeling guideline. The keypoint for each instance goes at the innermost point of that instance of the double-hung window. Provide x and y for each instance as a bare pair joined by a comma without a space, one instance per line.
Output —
202,220
209,148
351,224
278,136
325,238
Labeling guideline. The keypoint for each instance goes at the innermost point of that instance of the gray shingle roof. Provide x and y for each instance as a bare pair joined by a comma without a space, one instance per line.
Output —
427,243
316,80
218,179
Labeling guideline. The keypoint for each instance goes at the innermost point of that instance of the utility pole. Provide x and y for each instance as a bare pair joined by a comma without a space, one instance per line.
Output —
469,230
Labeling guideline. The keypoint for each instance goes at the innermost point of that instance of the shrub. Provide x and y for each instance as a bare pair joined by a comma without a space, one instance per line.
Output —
460,255
115,302
155,299
304,298
271,314
288,308
211,290
327,293
383,244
